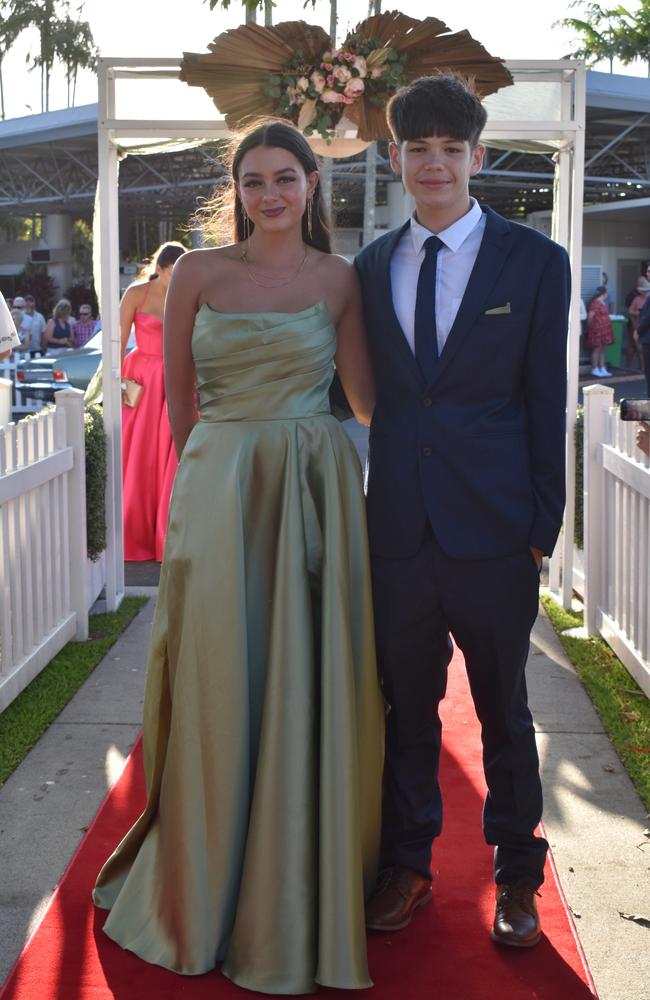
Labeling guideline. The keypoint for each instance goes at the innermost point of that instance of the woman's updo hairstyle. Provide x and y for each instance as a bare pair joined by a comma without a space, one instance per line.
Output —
165,256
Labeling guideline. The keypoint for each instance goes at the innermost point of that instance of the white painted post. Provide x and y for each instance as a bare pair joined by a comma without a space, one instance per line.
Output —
111,361
6,390
597,400
71,401
569,234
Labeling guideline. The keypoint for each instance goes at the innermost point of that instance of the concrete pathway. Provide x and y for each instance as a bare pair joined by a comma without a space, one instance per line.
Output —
594,820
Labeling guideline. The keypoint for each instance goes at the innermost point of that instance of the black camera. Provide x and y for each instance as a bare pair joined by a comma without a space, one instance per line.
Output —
635,409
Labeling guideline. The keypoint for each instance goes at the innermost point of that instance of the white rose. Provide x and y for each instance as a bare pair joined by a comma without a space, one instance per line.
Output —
342,74
318,82
302,83
376,72
359,64
355,87
332,97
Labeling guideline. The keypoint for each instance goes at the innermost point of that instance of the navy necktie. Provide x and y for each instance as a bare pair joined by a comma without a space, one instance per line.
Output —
426,337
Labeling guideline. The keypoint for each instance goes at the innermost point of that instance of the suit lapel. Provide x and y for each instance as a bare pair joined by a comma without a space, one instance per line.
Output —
392,327
487,267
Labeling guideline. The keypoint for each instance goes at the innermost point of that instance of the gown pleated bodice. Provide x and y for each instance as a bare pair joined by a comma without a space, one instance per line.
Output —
263,720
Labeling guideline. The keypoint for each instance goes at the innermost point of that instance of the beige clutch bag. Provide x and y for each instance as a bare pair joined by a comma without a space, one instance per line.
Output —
131,392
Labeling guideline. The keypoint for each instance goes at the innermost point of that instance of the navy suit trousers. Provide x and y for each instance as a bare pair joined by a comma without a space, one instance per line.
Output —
489,606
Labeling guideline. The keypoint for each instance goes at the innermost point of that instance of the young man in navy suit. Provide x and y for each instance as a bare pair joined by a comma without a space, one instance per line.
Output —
466,315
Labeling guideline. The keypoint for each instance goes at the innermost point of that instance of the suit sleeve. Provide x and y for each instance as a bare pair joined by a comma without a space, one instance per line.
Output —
545,399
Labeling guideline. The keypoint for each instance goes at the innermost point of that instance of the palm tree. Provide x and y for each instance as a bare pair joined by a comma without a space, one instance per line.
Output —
75,47
13,21
63,35
252,7
42,14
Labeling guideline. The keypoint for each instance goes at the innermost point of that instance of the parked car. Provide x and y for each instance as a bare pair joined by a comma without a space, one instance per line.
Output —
40,378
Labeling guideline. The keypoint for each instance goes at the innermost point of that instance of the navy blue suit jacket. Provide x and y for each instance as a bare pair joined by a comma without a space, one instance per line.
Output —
480,450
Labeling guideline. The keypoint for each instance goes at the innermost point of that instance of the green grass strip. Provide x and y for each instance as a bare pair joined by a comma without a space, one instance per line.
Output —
24,721
621,704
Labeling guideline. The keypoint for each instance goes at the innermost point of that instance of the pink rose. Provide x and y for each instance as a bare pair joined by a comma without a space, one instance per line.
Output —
376,72
332,97
330,80
354,88
318,82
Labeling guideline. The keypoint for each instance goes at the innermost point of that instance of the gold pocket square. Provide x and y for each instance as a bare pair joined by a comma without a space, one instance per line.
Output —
498,310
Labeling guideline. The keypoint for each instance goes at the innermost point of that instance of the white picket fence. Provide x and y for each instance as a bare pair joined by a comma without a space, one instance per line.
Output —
616,534
43,564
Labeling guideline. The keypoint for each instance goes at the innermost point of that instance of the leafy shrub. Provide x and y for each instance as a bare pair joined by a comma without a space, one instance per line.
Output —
578,439
95,481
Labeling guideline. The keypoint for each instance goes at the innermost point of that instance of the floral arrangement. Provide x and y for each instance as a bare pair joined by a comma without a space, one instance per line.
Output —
315,96
292,71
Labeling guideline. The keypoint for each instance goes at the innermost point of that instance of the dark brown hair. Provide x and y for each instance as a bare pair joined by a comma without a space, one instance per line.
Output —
443,105
213,217
165,256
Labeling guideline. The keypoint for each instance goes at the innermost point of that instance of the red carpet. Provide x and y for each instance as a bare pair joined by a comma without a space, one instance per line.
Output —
446,952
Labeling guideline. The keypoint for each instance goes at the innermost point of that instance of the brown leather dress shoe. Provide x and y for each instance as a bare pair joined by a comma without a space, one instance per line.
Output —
516,921
398,894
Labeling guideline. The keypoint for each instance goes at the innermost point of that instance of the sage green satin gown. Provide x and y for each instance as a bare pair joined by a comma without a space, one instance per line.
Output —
263,720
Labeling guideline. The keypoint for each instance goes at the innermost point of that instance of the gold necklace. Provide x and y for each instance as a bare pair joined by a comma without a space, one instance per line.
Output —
275,284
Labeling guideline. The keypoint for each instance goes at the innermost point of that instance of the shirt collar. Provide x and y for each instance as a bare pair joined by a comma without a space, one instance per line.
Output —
454,235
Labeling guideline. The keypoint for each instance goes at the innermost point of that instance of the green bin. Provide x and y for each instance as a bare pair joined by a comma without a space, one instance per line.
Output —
613,353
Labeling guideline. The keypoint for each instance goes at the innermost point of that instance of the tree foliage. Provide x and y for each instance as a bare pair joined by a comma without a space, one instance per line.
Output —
63,38
610,33
13,21
251,7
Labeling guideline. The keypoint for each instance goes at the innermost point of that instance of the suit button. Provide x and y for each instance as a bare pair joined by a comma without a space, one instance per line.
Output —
427,401
426,451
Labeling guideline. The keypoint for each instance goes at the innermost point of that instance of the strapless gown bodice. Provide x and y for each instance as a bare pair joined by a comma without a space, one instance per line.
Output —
256,366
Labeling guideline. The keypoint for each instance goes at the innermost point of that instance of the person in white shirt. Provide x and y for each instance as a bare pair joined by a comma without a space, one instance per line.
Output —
33,325
466,316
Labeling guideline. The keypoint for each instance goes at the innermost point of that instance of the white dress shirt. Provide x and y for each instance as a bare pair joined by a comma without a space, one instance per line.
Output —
455,262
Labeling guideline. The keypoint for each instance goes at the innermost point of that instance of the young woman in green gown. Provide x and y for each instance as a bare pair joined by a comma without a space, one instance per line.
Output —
263,720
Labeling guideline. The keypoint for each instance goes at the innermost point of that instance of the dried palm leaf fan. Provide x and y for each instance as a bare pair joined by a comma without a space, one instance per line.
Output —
252,71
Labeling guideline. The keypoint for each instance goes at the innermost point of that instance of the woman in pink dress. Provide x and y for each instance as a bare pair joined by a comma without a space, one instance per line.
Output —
600,332
148,457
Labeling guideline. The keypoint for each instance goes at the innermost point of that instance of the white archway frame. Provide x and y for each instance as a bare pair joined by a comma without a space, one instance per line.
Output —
566,131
